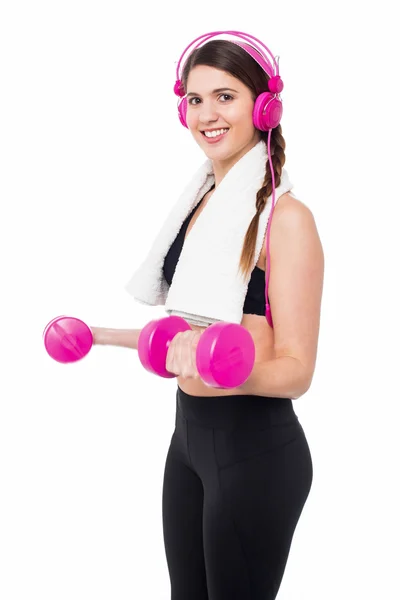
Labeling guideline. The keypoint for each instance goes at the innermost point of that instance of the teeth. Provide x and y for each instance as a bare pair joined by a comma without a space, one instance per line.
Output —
215,133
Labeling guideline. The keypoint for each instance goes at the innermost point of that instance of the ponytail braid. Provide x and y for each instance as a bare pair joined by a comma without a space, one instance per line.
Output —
278,159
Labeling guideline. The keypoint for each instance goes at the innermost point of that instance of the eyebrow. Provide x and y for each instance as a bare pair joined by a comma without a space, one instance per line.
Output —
214,91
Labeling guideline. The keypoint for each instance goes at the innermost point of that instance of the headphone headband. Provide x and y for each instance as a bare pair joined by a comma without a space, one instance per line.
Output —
240,34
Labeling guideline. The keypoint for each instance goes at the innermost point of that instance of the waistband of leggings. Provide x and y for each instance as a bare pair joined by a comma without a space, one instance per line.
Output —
227,412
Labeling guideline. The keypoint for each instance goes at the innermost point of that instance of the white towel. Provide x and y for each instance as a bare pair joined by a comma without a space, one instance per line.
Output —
207,286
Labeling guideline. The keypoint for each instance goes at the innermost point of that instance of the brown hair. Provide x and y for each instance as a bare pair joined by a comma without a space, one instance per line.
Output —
229,57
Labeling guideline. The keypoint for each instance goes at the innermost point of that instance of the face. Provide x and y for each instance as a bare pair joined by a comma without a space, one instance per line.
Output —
218,101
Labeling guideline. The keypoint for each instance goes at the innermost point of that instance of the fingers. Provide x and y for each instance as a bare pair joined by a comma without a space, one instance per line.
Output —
181,355
193,363
186,362
175,353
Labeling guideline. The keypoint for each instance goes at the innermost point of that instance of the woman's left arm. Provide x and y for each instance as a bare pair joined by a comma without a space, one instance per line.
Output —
295,293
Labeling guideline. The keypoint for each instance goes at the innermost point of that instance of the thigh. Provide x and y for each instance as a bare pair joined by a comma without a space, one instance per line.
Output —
263,495
182,513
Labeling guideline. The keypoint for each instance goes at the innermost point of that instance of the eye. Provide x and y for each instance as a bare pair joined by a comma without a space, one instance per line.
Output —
228,95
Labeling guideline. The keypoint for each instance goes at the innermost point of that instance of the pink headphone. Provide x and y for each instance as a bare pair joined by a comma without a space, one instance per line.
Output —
267,111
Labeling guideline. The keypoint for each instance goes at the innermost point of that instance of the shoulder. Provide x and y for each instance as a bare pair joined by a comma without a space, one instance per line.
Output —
294,238
292,217
290,206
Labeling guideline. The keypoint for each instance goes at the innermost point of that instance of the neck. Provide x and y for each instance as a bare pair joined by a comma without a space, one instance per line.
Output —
221,167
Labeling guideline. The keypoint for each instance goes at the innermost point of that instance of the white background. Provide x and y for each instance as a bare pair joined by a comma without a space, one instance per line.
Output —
93,157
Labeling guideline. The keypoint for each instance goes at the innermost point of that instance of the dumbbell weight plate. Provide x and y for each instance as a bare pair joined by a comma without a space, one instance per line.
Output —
67,339
225,355
154,340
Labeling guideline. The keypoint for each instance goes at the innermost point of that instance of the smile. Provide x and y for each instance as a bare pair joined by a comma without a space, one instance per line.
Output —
214,136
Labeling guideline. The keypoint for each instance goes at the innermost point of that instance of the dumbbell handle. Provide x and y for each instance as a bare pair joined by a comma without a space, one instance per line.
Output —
125,338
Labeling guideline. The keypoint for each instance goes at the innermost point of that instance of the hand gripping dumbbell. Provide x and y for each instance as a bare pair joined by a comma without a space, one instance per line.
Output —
67,339
224,355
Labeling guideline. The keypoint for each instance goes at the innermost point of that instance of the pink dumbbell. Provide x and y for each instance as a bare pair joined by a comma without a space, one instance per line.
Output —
224,355
67,339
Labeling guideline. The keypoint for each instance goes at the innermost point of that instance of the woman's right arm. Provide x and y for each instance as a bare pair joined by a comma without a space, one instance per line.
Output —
127,338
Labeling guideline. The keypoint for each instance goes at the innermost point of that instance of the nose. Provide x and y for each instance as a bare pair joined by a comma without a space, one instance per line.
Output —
208,112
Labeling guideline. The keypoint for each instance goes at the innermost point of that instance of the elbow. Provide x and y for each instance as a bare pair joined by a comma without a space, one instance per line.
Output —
300,392
298,376
303,384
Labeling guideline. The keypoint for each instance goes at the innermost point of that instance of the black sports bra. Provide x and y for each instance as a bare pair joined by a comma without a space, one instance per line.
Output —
255,298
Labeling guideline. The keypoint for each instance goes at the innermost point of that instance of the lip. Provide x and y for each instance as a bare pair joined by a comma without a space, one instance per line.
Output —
215,140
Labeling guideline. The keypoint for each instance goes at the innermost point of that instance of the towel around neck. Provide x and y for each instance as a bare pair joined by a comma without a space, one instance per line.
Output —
207,286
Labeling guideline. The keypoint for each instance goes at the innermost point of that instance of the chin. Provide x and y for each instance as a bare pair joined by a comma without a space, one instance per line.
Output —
221,152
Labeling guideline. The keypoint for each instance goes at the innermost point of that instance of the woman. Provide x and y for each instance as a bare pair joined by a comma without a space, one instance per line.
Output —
238,471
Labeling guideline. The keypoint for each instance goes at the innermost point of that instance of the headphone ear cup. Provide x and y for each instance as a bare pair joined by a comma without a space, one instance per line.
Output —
182,107
267,111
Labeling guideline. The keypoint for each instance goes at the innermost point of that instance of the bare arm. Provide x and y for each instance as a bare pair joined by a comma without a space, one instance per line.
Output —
126,338
282,377
297,273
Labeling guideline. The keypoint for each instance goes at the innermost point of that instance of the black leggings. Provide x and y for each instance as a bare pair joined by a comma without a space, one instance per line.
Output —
237,475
